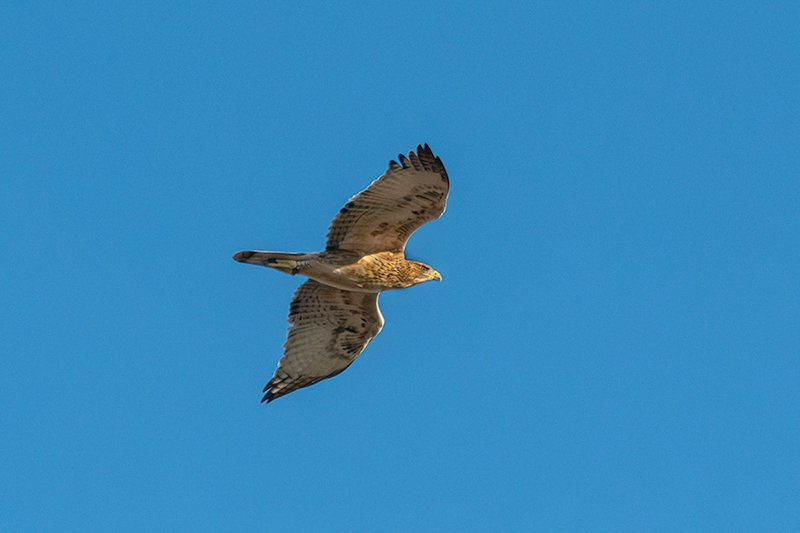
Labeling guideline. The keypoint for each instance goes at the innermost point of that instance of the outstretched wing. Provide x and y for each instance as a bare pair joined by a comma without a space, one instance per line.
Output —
329,328
383,216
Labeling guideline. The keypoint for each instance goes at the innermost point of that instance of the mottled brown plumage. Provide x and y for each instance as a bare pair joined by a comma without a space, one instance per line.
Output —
334,315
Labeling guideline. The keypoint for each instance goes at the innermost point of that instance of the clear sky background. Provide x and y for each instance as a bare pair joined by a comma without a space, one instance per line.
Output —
614,346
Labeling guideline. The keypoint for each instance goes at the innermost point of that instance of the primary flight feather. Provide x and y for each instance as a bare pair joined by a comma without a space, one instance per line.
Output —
334,315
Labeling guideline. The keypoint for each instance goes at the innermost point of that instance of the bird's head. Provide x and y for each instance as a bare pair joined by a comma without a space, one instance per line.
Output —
423,273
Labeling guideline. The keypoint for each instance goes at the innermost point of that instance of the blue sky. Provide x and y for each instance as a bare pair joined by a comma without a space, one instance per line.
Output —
615,343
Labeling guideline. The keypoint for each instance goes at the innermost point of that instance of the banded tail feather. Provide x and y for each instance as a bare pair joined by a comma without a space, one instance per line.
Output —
285,262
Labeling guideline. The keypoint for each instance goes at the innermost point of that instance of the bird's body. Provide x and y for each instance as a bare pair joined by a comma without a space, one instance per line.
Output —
348,271
334,315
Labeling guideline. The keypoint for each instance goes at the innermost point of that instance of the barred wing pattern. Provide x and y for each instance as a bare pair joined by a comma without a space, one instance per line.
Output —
383,216
329,329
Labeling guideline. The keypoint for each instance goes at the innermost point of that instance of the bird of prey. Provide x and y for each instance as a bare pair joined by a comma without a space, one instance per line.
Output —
334,315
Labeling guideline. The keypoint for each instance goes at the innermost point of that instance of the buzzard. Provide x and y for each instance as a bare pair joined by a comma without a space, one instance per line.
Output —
334,315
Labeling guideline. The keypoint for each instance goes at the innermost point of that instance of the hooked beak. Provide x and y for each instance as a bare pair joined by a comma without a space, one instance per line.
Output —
435,275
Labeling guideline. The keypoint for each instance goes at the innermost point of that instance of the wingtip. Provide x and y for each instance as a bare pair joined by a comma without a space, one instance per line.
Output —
273,390
406,161
270,393
425,158
273,394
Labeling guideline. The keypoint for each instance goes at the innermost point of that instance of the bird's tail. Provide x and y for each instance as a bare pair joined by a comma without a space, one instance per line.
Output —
285,262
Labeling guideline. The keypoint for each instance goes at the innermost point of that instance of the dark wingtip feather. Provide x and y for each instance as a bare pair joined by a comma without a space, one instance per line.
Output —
404,160
270,391
429,161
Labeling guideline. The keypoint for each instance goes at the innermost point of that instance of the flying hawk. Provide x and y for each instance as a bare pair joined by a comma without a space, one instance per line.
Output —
334,315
